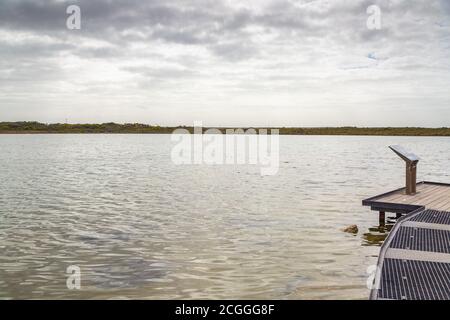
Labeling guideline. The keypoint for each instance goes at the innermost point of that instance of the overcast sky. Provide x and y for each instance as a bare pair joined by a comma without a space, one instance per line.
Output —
226,62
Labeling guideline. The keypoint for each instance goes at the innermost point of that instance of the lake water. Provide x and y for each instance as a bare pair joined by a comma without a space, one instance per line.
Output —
140,227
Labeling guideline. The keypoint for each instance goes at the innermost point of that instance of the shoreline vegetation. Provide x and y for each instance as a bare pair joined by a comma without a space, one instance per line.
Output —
137,128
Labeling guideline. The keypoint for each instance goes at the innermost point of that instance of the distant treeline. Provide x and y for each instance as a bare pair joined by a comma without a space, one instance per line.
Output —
36,127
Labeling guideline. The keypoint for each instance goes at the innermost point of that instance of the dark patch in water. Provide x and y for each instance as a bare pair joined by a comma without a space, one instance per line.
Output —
126,273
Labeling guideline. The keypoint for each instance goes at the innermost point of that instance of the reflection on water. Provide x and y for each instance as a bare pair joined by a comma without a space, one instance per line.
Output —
377,234
140,227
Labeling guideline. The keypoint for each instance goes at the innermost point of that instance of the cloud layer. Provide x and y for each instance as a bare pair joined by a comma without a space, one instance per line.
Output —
226,62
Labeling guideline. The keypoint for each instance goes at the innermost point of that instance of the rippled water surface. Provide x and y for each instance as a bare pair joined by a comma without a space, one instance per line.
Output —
140,227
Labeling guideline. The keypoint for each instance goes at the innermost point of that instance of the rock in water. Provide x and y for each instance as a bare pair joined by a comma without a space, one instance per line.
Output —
351,229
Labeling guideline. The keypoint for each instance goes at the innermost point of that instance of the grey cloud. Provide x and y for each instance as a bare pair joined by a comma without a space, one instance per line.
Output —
234,51
188,44
36,15
33,49
210,23
163,72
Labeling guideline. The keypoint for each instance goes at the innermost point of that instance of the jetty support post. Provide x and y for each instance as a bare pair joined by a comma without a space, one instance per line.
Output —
382,218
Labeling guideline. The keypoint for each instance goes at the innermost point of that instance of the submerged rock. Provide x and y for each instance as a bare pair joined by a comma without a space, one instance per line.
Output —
351,229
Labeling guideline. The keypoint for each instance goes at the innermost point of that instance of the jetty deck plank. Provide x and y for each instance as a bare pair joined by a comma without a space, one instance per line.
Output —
414,280
414,261
431,195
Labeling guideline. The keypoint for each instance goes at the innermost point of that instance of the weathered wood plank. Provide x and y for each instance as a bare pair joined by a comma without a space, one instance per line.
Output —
423,193
431,196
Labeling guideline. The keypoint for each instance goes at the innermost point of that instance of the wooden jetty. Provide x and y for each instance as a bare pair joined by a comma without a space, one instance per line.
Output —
432,195
414,261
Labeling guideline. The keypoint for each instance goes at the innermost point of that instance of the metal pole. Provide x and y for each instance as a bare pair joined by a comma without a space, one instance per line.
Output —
408,179
414,178
411,168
